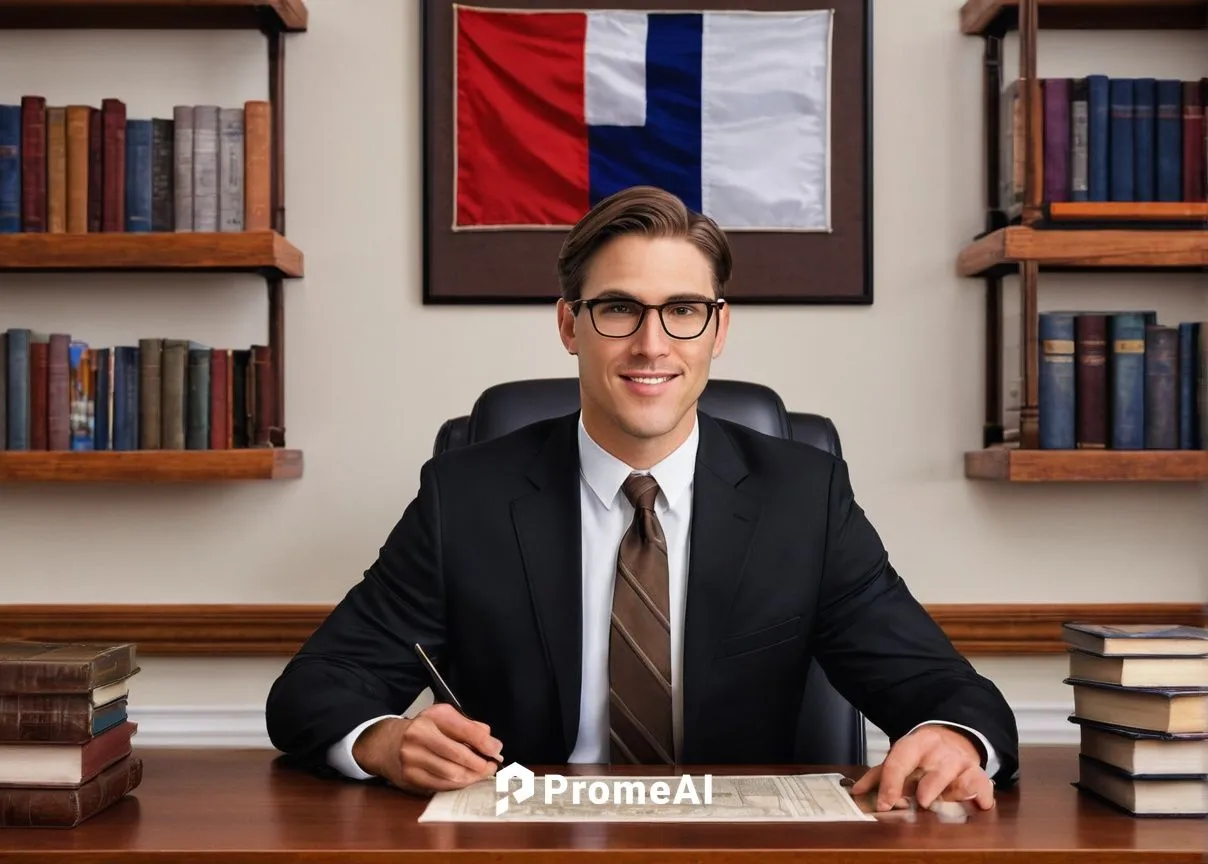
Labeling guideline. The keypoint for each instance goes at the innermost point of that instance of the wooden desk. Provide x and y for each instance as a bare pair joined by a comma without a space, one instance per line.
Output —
223,805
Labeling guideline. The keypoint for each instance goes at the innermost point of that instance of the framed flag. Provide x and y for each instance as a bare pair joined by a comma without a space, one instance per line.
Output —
754,112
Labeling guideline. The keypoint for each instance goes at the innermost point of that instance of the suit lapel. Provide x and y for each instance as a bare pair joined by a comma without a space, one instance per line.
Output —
723,521
548,530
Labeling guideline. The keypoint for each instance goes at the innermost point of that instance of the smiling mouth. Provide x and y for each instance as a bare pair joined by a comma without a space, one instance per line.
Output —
648,379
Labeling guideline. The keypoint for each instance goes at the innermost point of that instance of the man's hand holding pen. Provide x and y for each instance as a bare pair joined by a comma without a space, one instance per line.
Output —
438,749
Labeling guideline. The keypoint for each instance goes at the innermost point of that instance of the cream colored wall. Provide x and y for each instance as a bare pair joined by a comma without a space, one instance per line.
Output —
371,372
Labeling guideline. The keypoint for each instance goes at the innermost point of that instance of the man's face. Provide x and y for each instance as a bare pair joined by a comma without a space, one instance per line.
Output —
638,391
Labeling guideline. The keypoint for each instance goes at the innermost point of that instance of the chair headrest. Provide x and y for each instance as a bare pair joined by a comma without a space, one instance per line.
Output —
507,407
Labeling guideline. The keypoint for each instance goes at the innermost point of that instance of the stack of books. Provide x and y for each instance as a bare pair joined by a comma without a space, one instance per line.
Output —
1141,701
65,748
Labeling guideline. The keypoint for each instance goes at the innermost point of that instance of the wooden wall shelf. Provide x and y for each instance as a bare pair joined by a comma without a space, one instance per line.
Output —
983,17
1095,237
1079,466
1001,252
1035,628
149,466
279,16
247,630
265,253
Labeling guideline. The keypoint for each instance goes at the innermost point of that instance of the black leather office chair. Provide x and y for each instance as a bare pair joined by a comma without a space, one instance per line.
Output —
831,731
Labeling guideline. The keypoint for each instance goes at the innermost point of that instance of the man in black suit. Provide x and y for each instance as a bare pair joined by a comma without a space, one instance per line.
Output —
637,581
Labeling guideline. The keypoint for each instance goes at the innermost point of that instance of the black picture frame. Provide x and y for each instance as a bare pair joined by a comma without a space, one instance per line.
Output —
518,266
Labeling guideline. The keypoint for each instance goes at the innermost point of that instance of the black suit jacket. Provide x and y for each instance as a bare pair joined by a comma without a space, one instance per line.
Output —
483,569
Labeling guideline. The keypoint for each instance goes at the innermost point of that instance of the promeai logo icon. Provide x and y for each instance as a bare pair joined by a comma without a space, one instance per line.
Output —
503,783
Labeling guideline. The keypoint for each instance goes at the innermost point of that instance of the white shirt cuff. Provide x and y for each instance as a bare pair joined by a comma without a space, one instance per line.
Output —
992,763
339,755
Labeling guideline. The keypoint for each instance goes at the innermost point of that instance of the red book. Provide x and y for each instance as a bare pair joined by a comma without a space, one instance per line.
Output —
220,413
39,382
46,764
58,393
33,164
113,157
96,170
1193,142
265,401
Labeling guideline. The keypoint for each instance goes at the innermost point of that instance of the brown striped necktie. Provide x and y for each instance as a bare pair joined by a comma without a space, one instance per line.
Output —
639,645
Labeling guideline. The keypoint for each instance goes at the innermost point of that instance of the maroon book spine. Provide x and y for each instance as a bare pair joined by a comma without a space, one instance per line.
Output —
220,411
96,169
265,401
33,164
1193,142
39,387
58,393
1057,139
113,157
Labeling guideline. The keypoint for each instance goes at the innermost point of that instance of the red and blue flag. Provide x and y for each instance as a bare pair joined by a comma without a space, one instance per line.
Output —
556,110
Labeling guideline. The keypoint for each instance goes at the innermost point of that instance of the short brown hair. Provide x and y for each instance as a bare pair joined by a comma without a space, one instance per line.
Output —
645,210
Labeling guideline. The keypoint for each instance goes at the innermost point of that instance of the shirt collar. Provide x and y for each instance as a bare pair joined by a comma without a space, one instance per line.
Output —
605,473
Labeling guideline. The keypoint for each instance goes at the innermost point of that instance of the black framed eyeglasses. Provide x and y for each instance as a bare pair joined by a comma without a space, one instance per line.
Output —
618,317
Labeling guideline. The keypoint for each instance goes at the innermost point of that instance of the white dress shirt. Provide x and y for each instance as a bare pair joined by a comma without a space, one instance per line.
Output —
606,514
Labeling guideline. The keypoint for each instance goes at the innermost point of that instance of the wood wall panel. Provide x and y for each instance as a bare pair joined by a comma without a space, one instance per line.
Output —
174,630
267,630
1010,629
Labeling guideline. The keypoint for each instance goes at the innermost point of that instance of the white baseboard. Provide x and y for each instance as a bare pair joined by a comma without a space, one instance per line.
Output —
199,726
243,726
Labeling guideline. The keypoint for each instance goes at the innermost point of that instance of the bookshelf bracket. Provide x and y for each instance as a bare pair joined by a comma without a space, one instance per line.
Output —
276,294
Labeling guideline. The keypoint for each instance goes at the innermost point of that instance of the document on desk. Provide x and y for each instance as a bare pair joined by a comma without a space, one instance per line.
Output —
683,798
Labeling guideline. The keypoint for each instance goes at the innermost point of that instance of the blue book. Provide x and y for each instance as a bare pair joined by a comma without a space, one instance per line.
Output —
125,398
17,383
1169,140
138,175
10,169
197,396
1126,379
1120,140
1097,137
1161,387
1145,94
102,424
109,715
1189,419
1057,402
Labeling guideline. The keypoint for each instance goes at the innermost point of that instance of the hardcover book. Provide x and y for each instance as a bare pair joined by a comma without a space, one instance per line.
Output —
45,667
1144,795
47,807
1137,639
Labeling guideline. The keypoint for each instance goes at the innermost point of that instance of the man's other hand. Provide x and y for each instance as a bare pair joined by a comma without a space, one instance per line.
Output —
940,760
433,751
